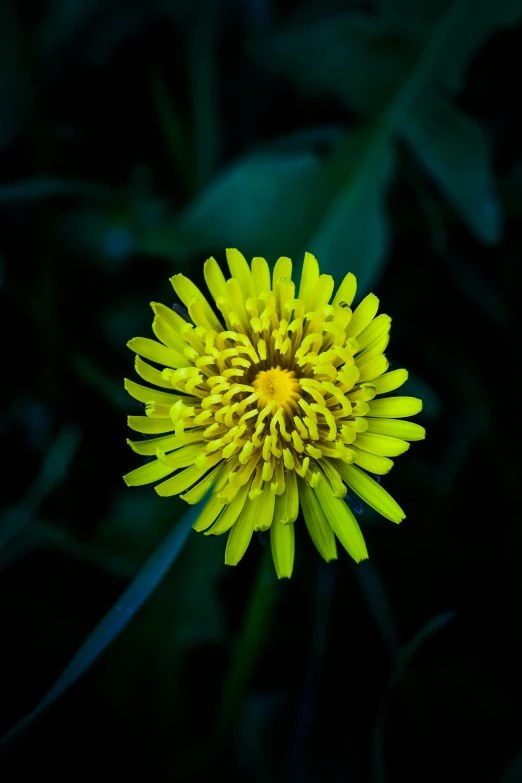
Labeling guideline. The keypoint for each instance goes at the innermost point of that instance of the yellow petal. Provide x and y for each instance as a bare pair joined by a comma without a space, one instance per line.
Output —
376,329
230,513
371,492
282,541
395,407
144,394
215,279
346,291
372,462
151,471
260,275
372,351
182,457
322,292
174,321
150,374
309,278
185,478
320,531
239,269
149,426
334,478
286,508
362,315
156,352
187,291
209,513
396,428
240,535
148,446
391,381
282,270
343,522
373,368
199,490
265,508
381,444
168,336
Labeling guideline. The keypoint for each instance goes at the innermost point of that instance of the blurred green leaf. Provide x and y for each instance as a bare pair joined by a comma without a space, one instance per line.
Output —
118,616
198,617
351,57
283,204
456,151
416,14
354,234
264,204
42,535
373,67
104,384
408,651
36,189
513,773
483,18
402,661
368,63
63,20
249,643
132,530
318,140
54,468
374,592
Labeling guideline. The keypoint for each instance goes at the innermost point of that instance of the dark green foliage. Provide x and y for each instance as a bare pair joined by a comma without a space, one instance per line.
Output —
138,138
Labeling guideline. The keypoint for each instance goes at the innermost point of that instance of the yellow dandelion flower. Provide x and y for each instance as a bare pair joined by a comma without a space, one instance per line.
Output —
273,403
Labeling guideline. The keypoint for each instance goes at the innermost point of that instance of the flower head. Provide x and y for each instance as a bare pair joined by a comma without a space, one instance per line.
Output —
273,404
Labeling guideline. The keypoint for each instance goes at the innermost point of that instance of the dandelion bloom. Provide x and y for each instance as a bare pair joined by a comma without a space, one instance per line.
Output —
273,404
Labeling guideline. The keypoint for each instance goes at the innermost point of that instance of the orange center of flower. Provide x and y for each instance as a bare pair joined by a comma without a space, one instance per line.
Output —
279,386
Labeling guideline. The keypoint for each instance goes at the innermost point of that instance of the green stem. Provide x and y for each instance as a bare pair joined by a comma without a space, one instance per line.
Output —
249,645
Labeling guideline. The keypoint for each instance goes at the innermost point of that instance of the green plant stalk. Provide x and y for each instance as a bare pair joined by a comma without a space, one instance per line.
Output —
249,645
380,134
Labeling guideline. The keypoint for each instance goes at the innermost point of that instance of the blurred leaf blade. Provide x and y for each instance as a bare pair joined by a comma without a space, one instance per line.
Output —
417,18
355,226
263,204
349,56
374,592
456,152
513,773
35,189
402,661
346,48
55,465
248,645
118,616
411,648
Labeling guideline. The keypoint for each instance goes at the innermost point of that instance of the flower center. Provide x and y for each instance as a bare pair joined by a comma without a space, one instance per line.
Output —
280,386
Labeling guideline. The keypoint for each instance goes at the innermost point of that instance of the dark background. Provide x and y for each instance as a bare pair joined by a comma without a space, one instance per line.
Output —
138,138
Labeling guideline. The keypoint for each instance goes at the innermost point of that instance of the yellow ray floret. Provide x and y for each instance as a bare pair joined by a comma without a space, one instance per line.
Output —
270,395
